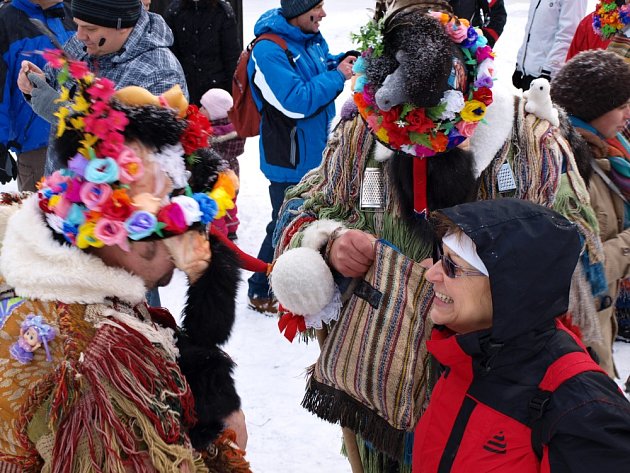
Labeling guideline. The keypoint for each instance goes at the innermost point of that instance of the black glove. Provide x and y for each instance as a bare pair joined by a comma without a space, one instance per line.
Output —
545,74
8,166
352,52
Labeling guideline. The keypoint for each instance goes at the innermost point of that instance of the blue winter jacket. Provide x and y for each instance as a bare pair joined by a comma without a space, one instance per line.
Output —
296,100
20,128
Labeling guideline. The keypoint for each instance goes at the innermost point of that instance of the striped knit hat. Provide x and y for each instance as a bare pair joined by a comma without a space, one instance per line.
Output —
108,13
293,8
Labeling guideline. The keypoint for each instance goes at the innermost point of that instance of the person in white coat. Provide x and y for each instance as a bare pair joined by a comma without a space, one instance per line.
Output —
549,31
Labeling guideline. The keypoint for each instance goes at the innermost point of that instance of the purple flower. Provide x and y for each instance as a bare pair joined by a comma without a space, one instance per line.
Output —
472,38
483,81
77,164
140,224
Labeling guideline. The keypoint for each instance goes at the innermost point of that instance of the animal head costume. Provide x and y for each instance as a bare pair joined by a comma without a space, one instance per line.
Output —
422,90
130,157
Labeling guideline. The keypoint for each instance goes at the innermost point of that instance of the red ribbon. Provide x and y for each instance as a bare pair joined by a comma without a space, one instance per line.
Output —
290,323
420,186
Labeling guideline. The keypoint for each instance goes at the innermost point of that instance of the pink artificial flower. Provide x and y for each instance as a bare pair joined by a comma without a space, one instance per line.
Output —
60,206
131,167
457,32
102,89
117,120
73,194
466,128
484,53
95,195
173,218
54,57
97,126
112,232
78,69
110,148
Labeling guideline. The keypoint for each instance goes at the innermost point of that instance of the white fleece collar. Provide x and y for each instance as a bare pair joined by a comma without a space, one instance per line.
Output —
38,267
496,128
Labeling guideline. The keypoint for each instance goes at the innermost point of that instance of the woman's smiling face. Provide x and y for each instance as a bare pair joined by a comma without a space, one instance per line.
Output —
462,303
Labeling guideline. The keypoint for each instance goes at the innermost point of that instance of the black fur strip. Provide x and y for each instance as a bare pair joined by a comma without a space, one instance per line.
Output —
208,371
209,310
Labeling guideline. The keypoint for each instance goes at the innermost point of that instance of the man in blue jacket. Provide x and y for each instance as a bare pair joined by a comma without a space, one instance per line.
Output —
295,92
21,130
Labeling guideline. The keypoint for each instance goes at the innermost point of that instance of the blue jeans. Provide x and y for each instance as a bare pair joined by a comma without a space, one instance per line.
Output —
153,297
258,283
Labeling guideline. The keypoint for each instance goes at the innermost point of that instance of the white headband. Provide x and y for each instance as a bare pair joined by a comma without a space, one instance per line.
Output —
466,250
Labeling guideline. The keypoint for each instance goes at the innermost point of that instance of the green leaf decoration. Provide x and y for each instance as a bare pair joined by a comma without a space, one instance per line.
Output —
434,113
420,139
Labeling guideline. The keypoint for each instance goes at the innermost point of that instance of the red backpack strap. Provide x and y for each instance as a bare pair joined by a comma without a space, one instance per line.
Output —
271,37
561,370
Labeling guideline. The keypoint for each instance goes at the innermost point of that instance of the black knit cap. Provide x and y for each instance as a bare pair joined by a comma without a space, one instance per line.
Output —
592,84
108,13
293,8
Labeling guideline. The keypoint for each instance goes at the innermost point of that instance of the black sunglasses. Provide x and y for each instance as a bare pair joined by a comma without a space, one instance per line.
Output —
452,269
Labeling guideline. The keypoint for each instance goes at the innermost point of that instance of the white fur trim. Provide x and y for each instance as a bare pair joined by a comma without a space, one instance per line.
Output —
302,281
317,233
38,267
490,136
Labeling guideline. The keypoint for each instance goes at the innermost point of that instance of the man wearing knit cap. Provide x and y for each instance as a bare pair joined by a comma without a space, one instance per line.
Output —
594,89
120,41
295,92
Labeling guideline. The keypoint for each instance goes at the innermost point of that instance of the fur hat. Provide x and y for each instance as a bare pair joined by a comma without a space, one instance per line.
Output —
217,102
293,8
108,13
592,84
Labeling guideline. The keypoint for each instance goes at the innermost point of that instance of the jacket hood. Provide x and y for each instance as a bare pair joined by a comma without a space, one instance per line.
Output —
150,32
31,8
272,21
530,253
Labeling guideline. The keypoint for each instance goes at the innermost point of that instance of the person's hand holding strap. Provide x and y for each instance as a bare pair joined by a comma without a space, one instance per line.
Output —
352,253
190,252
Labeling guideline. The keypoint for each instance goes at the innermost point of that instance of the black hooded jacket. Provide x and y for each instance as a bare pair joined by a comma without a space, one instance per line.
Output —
492,375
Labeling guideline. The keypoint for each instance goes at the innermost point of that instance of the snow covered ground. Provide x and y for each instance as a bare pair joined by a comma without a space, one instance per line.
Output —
271,371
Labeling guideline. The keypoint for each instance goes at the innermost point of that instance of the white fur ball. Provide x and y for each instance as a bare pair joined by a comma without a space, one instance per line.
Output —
302,281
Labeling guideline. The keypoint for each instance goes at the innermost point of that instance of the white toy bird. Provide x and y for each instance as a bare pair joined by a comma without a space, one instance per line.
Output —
539,101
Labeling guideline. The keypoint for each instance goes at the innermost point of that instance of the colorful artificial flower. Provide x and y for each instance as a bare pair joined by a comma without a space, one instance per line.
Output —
140,224
610,18
421,131
173,218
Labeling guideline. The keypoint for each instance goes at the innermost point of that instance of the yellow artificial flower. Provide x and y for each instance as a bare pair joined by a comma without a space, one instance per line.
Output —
77,123
65,95
473,111
61,114
87,143
382,135
226,183
80,104
86,237
223,200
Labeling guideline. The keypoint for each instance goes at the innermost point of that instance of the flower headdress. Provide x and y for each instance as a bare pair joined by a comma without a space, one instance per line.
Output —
610,18
427,131
419,131
89,202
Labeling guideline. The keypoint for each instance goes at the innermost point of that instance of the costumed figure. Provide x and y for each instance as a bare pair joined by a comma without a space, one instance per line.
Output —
91,378
427,129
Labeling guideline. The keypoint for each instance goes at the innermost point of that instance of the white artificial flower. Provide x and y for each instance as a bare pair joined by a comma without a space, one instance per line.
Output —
486,68
454,100
55,222
171,161
190,208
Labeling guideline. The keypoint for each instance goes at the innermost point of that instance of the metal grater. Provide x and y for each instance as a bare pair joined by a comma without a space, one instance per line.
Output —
505,178
372,189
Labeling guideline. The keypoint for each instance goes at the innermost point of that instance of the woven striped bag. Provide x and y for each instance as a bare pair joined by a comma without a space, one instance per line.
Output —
372,373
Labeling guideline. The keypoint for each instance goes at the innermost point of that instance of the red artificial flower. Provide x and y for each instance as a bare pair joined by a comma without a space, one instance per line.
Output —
118,207
54,57
483,95
172,216
198,130
102,89
418,121
439,142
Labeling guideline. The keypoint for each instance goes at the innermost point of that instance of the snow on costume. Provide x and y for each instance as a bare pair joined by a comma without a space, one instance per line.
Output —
446,125
482,414
92,380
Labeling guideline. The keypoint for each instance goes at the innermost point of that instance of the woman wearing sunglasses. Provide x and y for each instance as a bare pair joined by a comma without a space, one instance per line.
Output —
518,391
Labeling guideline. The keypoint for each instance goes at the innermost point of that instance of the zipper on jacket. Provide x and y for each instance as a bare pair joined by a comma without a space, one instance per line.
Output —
293,136
527,41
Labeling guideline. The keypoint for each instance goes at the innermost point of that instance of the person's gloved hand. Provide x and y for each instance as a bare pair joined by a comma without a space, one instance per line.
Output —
8,166
190,252
43,98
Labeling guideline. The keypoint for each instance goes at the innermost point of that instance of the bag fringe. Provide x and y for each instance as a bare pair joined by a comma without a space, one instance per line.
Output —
336,406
